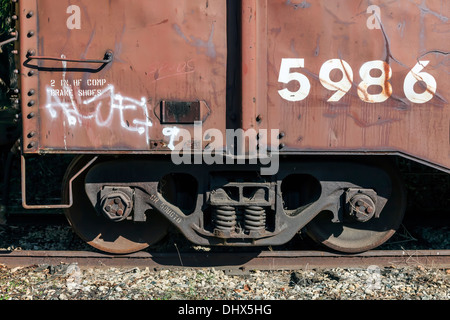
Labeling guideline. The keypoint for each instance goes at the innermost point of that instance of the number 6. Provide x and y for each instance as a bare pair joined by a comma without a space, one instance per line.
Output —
286,76
415,76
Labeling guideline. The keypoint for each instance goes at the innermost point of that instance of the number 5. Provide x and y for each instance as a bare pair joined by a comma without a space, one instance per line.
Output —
287,76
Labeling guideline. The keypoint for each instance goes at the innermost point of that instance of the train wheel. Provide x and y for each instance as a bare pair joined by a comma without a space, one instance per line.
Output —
105,235
353,236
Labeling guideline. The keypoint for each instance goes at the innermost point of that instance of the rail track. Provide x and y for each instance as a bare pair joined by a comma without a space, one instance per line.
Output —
239,262
303,255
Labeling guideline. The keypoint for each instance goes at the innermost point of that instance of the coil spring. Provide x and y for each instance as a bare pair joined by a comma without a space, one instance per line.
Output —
225,218
255,218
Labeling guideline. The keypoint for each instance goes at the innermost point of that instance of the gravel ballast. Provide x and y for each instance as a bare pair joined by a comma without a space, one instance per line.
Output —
70,282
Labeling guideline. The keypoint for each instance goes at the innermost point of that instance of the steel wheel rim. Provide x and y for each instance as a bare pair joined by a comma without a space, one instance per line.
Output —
118,238
356,237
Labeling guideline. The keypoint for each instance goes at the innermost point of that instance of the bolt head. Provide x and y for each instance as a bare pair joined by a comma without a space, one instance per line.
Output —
361,207
116,206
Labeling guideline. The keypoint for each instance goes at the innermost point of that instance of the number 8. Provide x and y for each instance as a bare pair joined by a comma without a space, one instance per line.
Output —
381,81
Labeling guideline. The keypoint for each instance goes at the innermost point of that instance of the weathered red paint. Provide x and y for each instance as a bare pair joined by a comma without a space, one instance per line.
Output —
177,51
163,51
317,31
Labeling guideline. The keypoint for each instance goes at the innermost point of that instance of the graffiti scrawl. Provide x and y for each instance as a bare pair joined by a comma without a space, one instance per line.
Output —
103,108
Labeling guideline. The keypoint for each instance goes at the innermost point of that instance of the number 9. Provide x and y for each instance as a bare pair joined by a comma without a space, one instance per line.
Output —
341,87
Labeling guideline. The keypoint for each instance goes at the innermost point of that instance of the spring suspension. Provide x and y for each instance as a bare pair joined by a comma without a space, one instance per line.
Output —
255,218
225,218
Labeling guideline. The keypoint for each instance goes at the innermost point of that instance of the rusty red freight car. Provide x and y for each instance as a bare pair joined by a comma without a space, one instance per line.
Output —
238,122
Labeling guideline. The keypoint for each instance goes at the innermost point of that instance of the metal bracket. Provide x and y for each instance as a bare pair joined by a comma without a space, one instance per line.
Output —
57,206
7,41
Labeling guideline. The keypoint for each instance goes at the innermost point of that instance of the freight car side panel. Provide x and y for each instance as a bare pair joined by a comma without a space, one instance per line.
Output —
167,71
350,75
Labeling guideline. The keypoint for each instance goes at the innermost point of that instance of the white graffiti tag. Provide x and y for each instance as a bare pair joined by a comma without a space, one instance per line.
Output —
107,98
102,107
172,133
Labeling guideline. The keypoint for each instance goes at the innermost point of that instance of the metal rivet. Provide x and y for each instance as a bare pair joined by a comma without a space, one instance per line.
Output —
31,134
31,145
30,33
109,55
31,92
30,14
31,115
31,103
31,73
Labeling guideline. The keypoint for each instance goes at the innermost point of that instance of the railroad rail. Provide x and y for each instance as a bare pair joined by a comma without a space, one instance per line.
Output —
240,262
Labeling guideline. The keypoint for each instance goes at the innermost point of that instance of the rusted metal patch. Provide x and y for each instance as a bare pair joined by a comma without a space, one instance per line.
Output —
101,68
350,76
183,112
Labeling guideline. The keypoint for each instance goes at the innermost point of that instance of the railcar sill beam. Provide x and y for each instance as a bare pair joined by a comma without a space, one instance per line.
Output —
44,206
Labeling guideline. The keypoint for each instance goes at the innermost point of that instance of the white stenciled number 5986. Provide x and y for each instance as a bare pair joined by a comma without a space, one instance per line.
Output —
369,79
